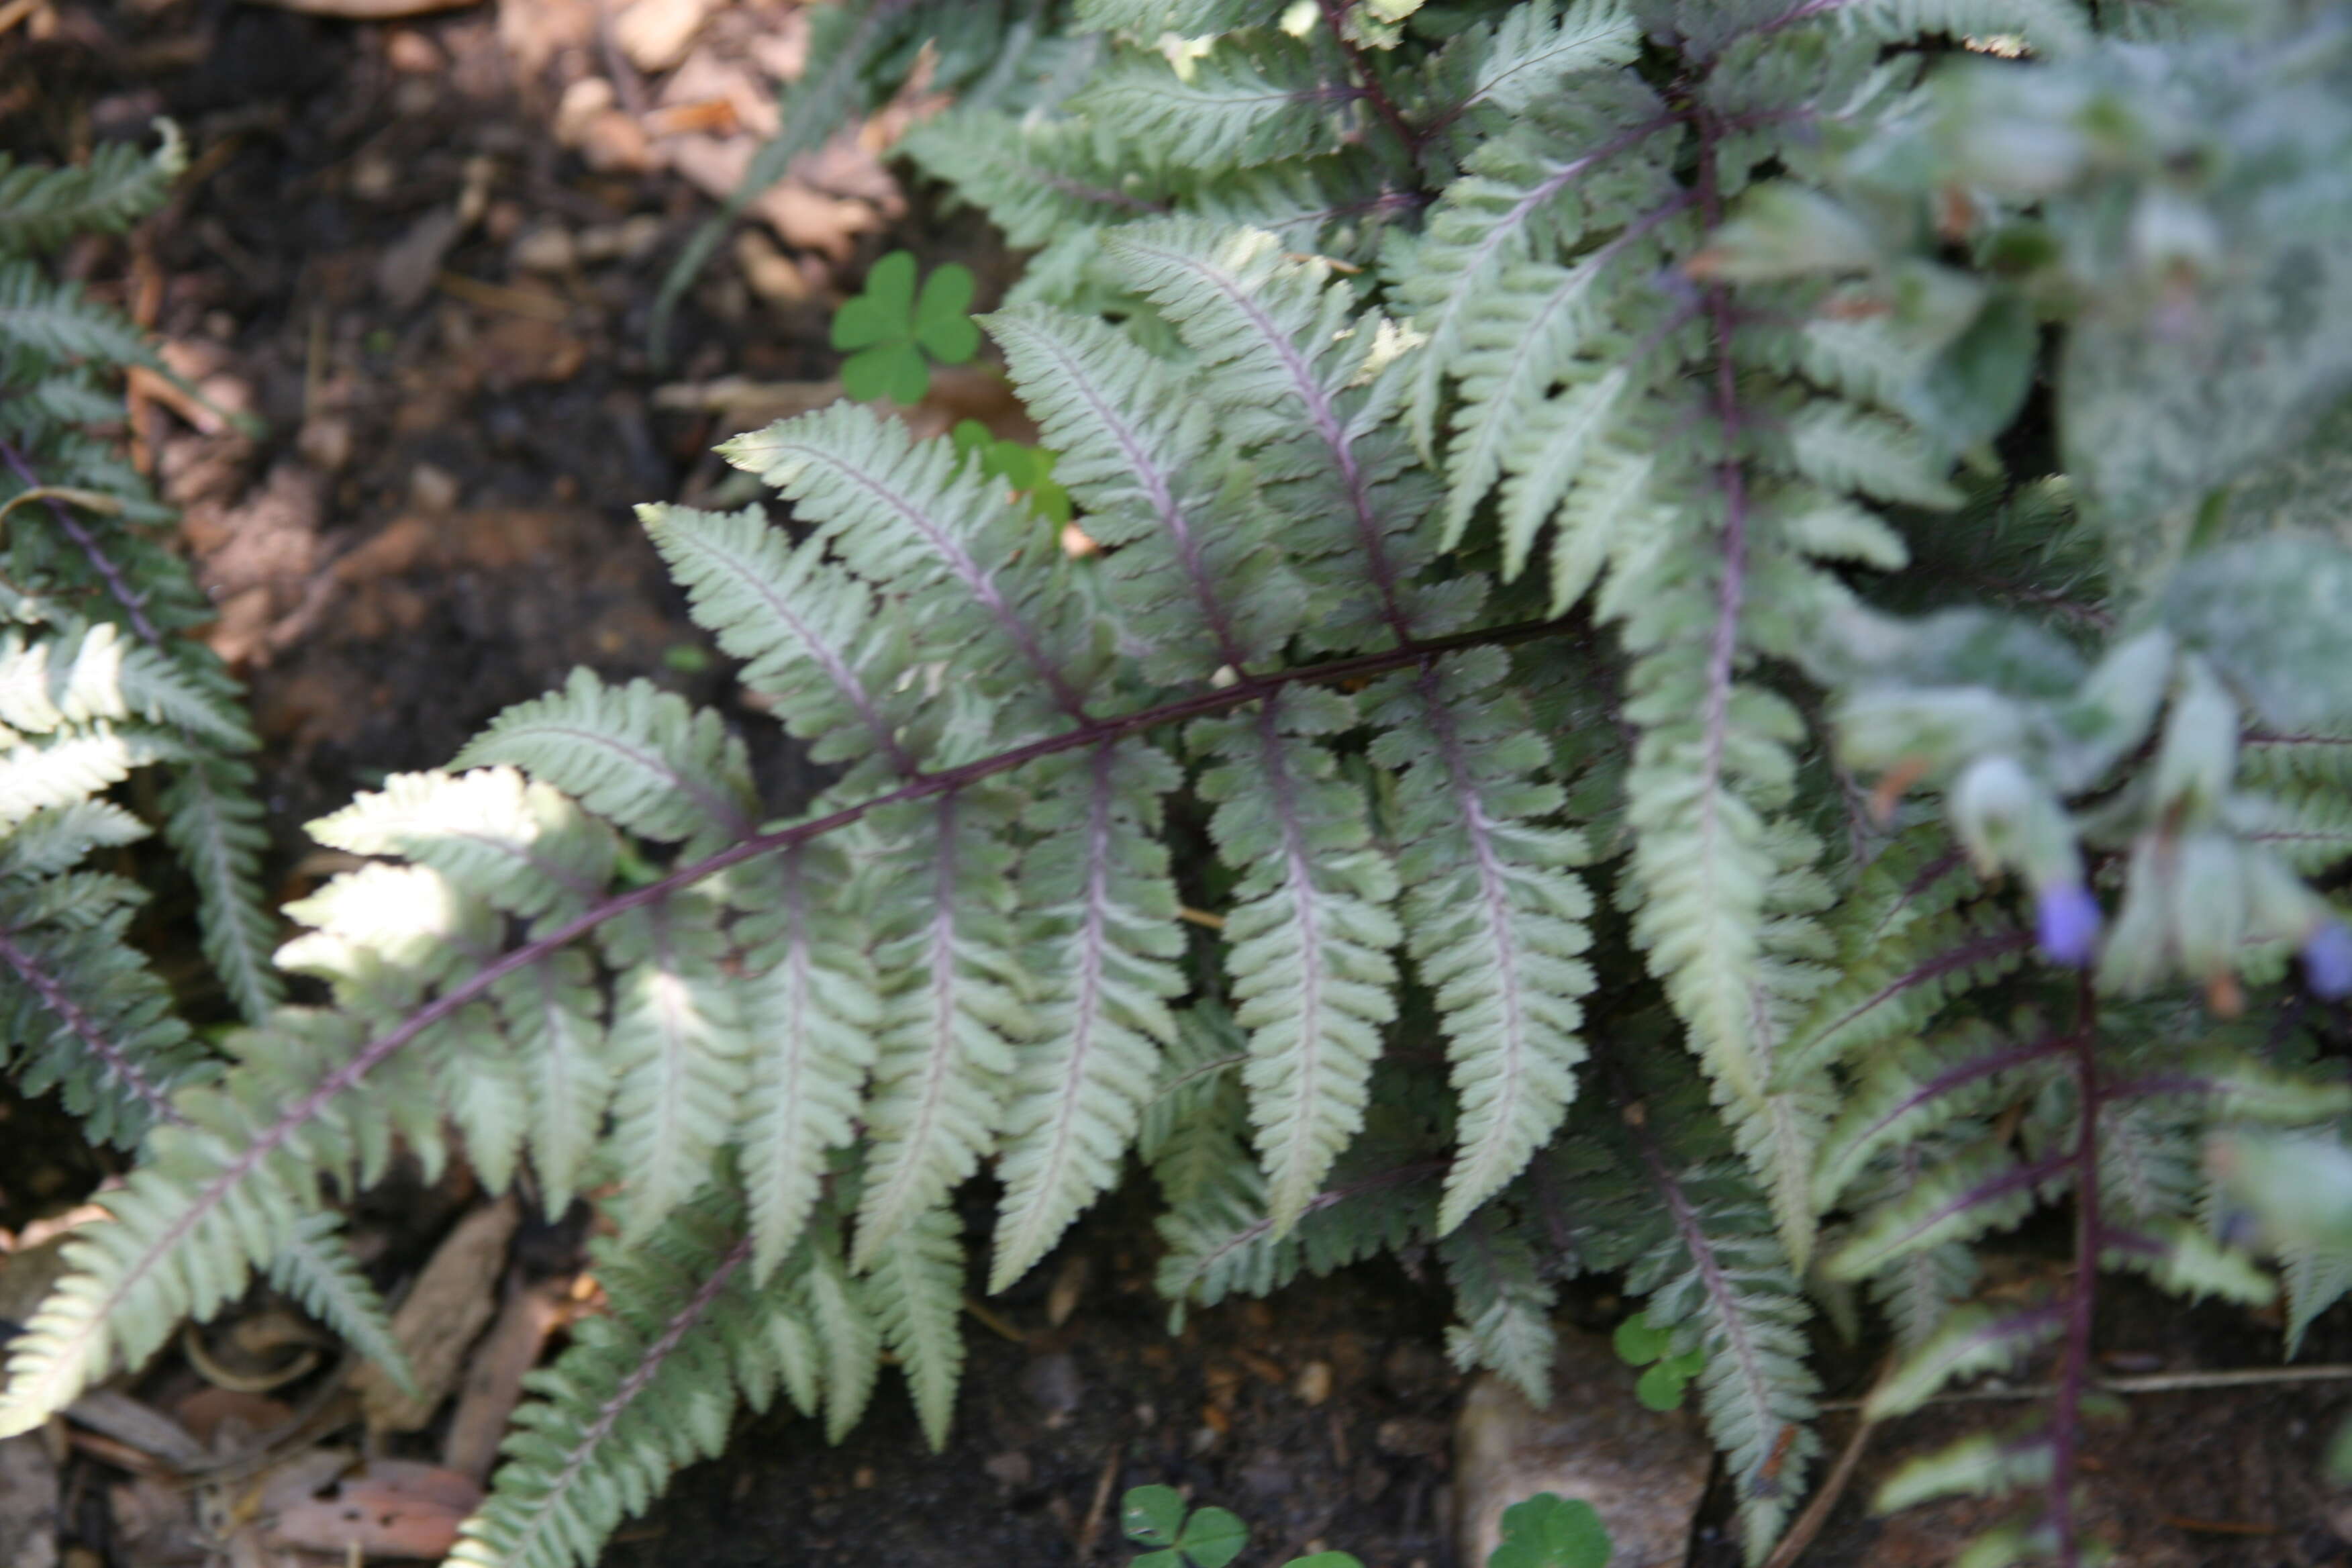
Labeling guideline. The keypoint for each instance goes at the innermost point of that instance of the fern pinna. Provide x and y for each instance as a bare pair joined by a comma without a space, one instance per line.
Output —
1555,483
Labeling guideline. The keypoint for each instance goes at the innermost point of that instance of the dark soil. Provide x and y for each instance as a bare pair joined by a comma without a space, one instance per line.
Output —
437,524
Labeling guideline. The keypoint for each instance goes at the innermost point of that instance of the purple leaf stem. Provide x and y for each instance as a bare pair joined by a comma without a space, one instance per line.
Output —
267,1141
1969,1072
2074,1365
134,604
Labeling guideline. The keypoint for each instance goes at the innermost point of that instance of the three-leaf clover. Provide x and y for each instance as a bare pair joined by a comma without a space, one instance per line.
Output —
1551,1531
1155,1516
1026,470
1661,1387
892,329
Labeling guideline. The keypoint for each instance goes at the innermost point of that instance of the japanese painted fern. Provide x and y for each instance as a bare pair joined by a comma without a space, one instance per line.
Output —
1432,805
96,684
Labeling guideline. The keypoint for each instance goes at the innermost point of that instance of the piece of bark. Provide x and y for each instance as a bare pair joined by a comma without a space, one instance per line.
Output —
367,10
493,1384
451,1302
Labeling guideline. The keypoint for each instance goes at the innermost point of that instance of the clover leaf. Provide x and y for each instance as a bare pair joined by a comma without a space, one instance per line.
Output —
896,333
1155,1516
1026,470
1639,1343
1551,1531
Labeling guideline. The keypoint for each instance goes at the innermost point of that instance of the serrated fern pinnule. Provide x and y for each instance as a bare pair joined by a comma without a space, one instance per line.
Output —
1256,97
675,1044
791,616
644,1389
41,208
1107,964
909,517
1308,938
955,999
1192,565
635,755
810,1008
1495,920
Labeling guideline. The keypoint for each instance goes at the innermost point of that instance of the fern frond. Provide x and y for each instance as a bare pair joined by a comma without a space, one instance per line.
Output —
86,1016
1715,1273
1505,1306
644,1389
57,840
53,322
1989,1188
1147,19
215,1196
635,755
1308,937
1190,562
677,1046
849,1339
1916,1087
1195,1126
1252,97
812,640
1292,374
1975,1340
1710,864
524,847
1098,876
1040,177
954,1000
40,209
318,1271
1490,76
908,515
553,1013
810,1007
1530,193
212,823
914,1290
1495,920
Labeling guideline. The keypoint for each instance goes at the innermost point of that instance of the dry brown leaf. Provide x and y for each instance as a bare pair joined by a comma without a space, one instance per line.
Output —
367,10
388,1508
450,1303
494,1378
656,34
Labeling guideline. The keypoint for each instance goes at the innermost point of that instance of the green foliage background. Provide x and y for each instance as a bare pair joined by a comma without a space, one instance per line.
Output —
1735,614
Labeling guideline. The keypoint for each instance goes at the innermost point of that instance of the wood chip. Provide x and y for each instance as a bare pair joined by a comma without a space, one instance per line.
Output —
494,1378
451,1302
367,10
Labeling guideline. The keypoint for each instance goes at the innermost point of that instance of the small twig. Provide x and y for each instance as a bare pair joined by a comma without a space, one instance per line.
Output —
89,501
1817,1512
498,297
990,1320
1092,1528
1200,916
2217,1526
2146,1382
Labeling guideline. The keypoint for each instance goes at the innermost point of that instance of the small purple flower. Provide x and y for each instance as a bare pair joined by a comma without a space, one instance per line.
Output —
2067,923
2327,960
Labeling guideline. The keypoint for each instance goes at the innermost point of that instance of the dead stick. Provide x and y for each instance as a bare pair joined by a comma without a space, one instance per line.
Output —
2149,1382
